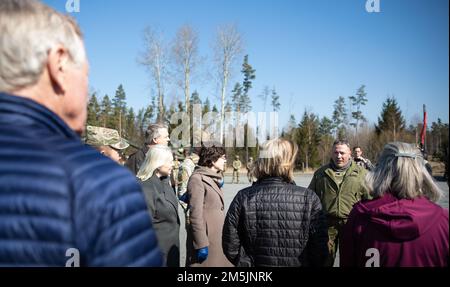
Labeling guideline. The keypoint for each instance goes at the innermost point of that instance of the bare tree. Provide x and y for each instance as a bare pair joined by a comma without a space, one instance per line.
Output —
154,58
185,56
227,47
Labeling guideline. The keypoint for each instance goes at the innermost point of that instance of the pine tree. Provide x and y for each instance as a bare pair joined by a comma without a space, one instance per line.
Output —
391,120
339,117
325,131
290,129
106,112
249,75
236,97
275,101
206,107
357,102
93,117
119,109
308,139
195,99
131,130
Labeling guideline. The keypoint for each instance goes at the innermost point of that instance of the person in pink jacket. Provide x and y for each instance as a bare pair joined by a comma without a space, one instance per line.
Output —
401,226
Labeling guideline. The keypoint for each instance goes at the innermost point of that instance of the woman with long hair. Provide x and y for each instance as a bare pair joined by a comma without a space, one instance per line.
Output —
402,226
162,201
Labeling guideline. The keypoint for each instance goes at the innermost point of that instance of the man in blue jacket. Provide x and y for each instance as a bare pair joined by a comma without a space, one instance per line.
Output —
61,202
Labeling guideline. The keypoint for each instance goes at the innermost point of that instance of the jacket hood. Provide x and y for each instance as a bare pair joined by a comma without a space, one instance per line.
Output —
402,219
208,172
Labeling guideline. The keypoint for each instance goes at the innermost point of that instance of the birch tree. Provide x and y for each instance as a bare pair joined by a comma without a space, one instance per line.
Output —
185,56
154,59
227,46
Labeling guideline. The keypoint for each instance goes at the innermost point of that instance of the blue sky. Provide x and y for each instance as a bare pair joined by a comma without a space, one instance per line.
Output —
311,51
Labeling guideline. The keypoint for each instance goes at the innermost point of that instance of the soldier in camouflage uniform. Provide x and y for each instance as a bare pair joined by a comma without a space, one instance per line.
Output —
185,171
236,168
107,141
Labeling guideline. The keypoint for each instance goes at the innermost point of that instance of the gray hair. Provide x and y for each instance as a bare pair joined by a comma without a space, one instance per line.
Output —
342,142
157,156
29,30
401,172
153,132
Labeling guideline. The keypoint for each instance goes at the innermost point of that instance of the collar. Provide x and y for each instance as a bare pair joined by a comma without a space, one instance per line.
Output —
20,111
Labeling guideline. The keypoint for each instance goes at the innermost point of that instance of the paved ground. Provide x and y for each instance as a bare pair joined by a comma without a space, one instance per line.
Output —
230,190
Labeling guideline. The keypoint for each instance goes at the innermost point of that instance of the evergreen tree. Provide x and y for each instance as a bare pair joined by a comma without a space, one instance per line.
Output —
339,117
275,101
326,127
357,101
119,109
195,99
326,138
106,112
93,117
206,107
308,139
249,75
391,120
131,130
236,97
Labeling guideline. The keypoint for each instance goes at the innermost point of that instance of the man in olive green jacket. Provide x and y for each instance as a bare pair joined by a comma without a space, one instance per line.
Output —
339,186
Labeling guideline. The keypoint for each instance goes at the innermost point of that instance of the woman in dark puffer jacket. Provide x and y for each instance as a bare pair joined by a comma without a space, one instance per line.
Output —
274,222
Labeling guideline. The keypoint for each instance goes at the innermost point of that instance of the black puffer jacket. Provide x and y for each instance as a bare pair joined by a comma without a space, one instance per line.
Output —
274,223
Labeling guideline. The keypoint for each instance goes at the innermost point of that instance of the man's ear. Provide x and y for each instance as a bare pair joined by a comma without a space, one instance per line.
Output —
58,60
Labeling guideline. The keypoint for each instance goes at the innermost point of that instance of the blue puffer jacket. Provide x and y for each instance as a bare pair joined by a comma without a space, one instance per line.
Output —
57,193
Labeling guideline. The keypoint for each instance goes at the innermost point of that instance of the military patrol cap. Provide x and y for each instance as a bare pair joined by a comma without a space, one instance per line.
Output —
99,136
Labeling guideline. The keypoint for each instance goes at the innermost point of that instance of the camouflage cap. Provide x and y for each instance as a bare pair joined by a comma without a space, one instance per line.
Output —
99,136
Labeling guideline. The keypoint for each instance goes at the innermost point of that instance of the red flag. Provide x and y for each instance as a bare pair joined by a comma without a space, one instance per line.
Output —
424,128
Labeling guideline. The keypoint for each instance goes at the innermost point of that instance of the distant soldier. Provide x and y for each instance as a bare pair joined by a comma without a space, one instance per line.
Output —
360,160
249,169
107,141
236,168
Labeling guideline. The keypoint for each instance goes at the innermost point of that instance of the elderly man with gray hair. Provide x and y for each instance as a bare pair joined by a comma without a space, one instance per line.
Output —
156,134
62,202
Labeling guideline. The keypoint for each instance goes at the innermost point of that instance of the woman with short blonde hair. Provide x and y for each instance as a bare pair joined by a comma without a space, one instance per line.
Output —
162,201
277,158
402,224
275,223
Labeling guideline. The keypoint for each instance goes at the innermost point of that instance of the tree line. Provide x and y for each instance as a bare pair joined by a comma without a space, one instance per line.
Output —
178,62
315,135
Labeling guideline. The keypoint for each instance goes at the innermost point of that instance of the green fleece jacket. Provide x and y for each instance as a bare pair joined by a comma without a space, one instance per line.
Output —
338,200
